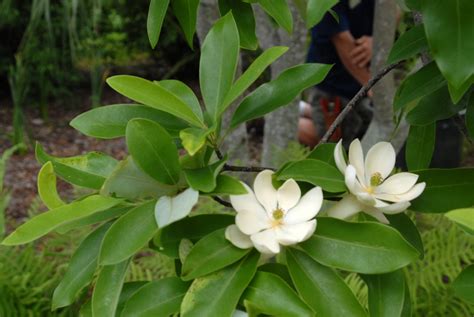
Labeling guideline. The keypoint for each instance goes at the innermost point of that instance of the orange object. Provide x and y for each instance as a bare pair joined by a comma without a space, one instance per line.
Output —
331,109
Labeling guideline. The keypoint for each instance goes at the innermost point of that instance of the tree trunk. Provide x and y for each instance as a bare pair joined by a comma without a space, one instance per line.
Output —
382,126
281,126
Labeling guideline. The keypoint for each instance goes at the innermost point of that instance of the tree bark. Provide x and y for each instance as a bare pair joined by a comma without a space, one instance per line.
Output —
281,126
382,126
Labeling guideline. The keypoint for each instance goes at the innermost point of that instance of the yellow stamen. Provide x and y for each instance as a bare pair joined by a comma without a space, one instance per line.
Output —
277,217
376,179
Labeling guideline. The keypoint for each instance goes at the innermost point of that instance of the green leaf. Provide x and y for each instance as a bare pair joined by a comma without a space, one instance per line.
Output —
245,20
367,247
446,189
316,9
192,228
315,172
280,11
279,92
89,170
321,288
420,146
252,73
457,93
47,187
277,269
193,139
464,284
227,185
218,63
271,295
386,294
217,294
155,96
448,27
409,44
323,152
186,13
157,298
171,209
108,288
183,91
425,81
153,150
80,271
433,107
470,116
408,230
128,181
128,234
211,253
204,178
109,122
156,15
128,290
464,218
45,222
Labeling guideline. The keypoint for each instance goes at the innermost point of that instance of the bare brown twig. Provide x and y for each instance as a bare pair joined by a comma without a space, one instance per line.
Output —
222,201
247,169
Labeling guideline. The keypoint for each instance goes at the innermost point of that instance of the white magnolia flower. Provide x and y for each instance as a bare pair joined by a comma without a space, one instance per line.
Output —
371,188
272,217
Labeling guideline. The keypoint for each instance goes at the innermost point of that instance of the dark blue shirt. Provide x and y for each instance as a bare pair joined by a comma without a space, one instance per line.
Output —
355,16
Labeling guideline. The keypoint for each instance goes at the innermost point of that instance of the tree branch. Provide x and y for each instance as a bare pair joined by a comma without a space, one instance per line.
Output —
247,169
222,201
360,94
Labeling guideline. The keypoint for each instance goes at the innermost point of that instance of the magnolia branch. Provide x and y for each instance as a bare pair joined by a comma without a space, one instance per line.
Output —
222,201
246,169
360,94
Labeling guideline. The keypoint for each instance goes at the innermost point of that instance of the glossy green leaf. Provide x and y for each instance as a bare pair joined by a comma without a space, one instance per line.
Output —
408,230
130,182
252,73
280,11
316,9
245,20
367,247
386,294
218,63
171,209
420,146
186,94
446,189
110,122
278,269
204,178
157,298
193,139
217,294
271,295
186,13
156,15
323,152
433,107
425,81
227,185
45,222
153,150
464,284
80,271
128,234
315,172
409,44
108,288
463,217
211,253
155,96
89,170
321,288
470,116
457,93
448,27
279,92
192,228
128,290
47,187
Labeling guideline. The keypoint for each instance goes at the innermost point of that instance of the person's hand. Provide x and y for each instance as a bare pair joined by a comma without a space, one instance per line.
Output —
362,53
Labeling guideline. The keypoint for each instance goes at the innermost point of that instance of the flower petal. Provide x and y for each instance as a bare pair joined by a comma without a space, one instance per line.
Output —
356,159
266,242
346,207
307,207
367,199
379,159
252,221
288,195
351,180
413,193
395,208
339,157
377,215
237,237
246,201
398,183
292,234
264,191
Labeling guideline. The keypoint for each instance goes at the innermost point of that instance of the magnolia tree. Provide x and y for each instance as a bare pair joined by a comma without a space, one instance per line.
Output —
288,240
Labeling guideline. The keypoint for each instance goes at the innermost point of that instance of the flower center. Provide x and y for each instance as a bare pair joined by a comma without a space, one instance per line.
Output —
277,217
376,179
